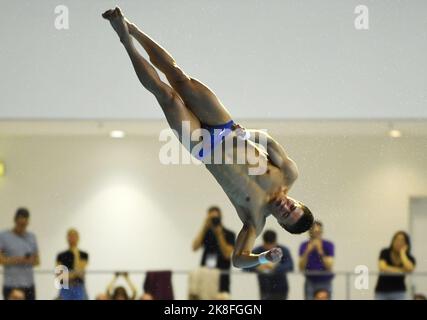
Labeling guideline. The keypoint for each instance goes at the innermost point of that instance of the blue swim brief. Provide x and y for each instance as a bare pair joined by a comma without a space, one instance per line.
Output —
217,135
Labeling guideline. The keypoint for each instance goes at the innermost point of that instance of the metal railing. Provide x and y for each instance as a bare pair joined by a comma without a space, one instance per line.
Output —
244,285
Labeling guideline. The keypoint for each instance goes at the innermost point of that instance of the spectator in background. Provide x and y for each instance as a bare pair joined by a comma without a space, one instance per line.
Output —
272,280
76,261
395,260
19,254
419,296
158,284
146,296
120,293
218,245
102,296
316,255
322,294
16,294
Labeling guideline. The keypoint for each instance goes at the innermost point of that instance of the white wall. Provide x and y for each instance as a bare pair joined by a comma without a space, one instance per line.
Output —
134,213
265,59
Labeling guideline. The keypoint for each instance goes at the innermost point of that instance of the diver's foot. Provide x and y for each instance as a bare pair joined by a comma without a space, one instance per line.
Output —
118,22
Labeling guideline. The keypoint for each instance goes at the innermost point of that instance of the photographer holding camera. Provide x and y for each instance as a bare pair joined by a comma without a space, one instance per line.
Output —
218,245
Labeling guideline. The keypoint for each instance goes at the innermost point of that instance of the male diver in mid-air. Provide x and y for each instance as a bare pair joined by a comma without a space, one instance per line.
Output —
186,99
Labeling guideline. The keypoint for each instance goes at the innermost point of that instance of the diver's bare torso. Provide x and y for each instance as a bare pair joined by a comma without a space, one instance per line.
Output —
249,193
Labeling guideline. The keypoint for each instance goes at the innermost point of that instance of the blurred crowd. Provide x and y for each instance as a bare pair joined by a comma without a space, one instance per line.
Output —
19,254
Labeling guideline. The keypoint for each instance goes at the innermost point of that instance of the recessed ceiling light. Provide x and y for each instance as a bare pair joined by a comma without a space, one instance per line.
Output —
395,133
117,134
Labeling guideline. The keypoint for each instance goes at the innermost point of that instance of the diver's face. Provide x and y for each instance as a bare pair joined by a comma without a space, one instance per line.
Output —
286,210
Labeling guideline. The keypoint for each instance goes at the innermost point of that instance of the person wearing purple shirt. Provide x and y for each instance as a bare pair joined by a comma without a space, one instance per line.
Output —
316,255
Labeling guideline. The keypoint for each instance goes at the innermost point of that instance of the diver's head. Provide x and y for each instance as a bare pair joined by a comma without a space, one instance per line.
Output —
292,215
